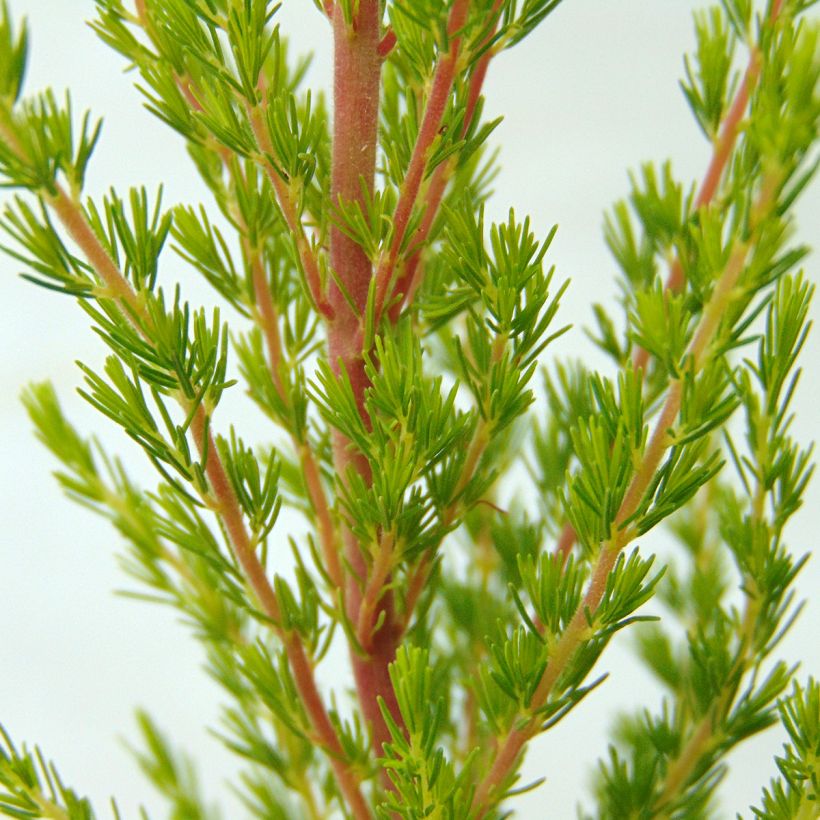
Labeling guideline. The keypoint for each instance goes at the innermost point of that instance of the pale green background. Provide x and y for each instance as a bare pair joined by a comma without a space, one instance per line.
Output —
593,93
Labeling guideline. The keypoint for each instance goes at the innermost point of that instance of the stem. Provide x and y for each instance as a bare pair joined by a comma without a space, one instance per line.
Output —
701,739
374,591
682,768
723,147
387,43
421,573
287,206
74,221
357,74
509,751
324,521
268,322
305,680
578,628
410,279
227,508
431,123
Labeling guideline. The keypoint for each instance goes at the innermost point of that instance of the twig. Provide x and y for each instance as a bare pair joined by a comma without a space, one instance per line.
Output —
387,43
287,206
374,591
431,123
268,323
724,145
407,284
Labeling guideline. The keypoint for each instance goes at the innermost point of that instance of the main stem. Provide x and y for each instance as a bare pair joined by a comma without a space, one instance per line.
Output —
357,74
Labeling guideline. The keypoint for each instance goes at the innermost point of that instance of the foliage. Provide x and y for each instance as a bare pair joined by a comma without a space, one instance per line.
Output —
400,346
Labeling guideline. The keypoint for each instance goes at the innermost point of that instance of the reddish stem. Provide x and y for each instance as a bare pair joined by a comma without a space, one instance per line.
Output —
268,322
431,123
578,628
227,508
724,145
357,74
387,43
408,282
287,205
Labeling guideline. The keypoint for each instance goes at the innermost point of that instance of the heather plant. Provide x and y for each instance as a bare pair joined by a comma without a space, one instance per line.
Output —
399,345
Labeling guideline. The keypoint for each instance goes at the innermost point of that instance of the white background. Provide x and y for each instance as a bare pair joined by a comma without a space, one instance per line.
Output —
593,93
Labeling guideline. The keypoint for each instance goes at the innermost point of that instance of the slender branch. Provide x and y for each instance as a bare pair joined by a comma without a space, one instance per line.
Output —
723,147
410,279
268,322
287,206
387,43
703,736
347,778
415,586
75,223
578,628
374,590
686,761
227,508
324,521
431,123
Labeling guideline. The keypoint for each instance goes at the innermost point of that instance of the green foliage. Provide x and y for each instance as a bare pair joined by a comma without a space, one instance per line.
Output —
31,787
170,774
393,338
796,794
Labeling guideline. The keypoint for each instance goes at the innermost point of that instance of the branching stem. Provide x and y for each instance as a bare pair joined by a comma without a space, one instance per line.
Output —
431,123
357,73
227,508
723,147
578,628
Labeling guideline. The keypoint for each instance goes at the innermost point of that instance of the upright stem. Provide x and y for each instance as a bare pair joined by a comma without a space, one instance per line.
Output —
723,147
577,630
357,74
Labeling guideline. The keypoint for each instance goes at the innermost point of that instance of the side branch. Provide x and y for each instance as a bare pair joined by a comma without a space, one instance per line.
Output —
723,147
408,282
287,206
578,628
431,123
269,324
227,508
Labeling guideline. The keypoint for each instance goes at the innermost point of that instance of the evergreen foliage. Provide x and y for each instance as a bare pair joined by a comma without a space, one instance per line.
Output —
400,344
